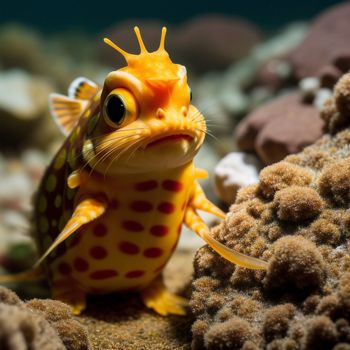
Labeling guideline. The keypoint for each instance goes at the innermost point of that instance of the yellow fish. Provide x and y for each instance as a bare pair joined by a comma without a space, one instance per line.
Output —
110,207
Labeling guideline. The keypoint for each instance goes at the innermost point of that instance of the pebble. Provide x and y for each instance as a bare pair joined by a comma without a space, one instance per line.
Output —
234,171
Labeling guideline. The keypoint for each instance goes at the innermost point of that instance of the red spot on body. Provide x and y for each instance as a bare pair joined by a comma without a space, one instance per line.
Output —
141,206
153,252
146,185
81,264
103,274
129,248
64,268
114,204
99,230
159,230
135,274
133,226
173,186
166,207
98,252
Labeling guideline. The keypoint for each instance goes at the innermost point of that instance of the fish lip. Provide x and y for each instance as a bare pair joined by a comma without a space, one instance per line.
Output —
169,137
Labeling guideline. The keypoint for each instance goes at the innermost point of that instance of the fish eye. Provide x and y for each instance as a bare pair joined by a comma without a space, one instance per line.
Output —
115,109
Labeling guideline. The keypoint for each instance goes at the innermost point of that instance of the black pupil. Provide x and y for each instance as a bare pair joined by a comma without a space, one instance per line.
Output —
190,94
115,109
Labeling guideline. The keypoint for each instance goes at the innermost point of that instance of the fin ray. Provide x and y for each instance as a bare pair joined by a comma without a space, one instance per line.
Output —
66,111
86,211
24,276
196,224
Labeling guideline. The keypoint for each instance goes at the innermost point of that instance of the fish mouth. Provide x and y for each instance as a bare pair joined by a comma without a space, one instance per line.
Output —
170,138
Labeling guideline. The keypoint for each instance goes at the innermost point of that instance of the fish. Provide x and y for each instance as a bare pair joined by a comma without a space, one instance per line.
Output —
111,205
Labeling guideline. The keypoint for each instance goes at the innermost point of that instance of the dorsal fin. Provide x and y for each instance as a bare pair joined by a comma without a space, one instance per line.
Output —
66,111
82,89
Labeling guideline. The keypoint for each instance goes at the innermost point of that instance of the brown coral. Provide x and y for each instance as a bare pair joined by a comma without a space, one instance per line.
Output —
38,325
19,329
297,218
297,203
281,175
296,263
229,335
336,111
334,182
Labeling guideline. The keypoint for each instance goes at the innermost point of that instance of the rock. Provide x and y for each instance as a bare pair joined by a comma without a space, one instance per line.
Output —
328,36
274,69
309,87
197,44
278,128
22,48
225,97
213,42
23,104
234,171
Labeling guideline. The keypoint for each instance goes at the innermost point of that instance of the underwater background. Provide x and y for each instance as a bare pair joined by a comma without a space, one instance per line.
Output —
93,17
271,78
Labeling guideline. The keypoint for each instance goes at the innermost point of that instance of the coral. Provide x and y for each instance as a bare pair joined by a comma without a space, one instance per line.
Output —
20,329
230,334
296,203
336,111
281,175
39,324
297,219
296,262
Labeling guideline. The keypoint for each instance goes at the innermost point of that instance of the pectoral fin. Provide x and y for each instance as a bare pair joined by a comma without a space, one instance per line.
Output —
201,174
196,224
201,202
86,211
66,111
25,276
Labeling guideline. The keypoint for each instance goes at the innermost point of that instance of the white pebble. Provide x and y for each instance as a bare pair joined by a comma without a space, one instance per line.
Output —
321,97
234,171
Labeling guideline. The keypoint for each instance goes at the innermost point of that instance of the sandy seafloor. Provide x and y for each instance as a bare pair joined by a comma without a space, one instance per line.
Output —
122,322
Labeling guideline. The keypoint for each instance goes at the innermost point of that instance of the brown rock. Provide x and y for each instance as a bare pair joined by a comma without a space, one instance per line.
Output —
328,36
212,42
281,127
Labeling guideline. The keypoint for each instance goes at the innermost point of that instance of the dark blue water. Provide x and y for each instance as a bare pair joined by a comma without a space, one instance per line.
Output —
94,16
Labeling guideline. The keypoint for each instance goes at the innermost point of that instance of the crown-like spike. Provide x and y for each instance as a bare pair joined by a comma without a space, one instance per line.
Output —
117,48
139,39
162,39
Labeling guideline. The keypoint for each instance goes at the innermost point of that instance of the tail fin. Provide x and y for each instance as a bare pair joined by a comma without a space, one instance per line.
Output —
25,276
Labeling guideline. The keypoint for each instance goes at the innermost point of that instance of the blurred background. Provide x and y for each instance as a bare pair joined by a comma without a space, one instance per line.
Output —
259,72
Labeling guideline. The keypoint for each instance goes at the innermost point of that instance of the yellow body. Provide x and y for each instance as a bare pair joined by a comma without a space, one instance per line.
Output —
134,239
111,204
